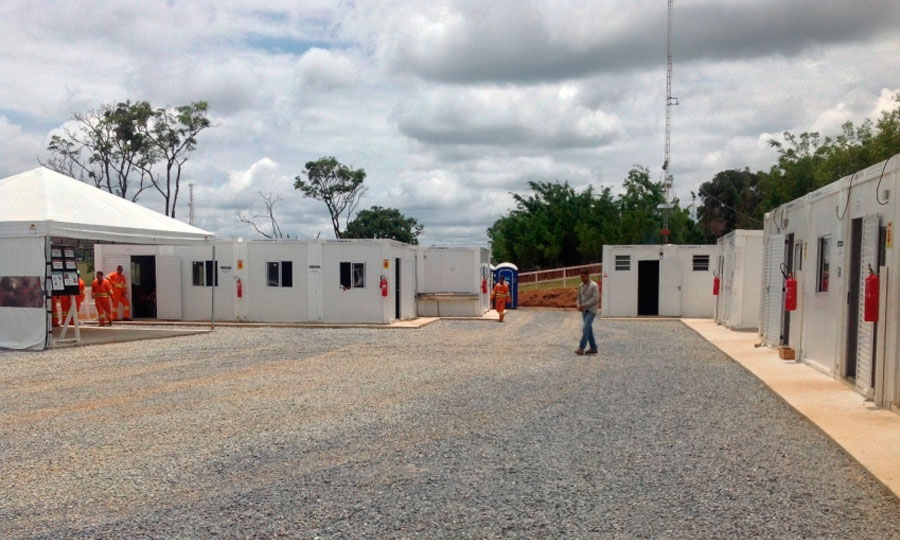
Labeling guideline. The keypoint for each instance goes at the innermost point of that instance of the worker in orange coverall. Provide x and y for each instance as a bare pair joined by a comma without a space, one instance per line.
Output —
119,296
500,296
66,301
100,292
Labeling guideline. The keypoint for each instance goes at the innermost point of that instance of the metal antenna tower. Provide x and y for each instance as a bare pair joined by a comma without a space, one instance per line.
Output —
191,204
670,101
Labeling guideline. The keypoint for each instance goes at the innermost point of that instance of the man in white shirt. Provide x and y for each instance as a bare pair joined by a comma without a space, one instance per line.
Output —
588,300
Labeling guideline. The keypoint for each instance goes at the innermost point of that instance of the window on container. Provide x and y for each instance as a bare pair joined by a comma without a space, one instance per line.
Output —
824,264
279,274
353,275
204,274
701,263
623,262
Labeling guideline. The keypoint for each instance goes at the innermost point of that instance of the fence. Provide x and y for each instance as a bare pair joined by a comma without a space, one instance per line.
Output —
556,274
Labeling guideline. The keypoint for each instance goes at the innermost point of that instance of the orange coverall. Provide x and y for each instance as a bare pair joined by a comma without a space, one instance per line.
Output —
117,281
500,295
66,301
100,291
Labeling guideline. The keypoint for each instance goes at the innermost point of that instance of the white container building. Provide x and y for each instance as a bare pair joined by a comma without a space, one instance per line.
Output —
740,272
664,280
453,282
829,240
328,281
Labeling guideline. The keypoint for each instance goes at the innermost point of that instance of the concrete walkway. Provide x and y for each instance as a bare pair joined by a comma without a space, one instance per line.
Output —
871,435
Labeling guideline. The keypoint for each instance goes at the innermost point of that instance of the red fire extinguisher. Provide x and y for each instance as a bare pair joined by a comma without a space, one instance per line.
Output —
715,285
871,310
790,293
240,287
483,285
384,286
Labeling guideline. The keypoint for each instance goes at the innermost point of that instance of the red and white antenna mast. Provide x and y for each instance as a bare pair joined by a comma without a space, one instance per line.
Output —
670,101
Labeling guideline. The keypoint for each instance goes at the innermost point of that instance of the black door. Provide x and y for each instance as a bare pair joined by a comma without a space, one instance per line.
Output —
397,288
787,271
648,287
853,298
143,286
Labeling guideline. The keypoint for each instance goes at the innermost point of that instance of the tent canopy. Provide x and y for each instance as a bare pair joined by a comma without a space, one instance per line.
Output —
41,202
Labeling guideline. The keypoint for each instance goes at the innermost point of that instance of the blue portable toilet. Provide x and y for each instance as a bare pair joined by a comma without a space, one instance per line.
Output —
510,273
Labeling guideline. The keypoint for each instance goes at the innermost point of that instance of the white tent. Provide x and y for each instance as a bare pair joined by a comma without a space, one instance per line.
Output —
40,204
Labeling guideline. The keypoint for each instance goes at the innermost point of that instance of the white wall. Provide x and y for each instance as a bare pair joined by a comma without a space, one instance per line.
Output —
697,299
23,327
454,270
275,303
196,301
364,304
737,305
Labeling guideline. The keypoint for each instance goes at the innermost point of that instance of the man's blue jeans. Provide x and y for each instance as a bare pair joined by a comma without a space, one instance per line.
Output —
587,332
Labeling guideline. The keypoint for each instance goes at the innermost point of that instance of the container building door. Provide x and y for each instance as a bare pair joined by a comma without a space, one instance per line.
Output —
168,288
670,287
865,350
648,288
772,294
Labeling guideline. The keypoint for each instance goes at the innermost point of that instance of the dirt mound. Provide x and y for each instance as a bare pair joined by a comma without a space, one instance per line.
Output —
561,298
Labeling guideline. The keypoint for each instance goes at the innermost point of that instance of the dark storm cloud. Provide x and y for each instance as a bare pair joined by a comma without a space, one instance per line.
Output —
524,48
498,135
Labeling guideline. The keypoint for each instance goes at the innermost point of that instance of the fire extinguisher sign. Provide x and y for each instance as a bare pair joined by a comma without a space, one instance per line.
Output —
387,263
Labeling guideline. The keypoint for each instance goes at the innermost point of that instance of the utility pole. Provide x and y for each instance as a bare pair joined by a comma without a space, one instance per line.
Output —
191,204
670,101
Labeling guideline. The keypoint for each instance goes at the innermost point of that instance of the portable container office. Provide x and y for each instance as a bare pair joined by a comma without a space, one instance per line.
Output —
665,280
829,240
453,281
335,281
739,269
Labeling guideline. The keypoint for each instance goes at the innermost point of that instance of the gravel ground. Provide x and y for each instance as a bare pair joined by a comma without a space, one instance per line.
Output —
455,430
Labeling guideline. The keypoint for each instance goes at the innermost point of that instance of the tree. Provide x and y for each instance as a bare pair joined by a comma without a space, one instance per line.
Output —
106,147
598,227
337,185
269,200
541,231
173,133
731,200
381,222
120,148
640,218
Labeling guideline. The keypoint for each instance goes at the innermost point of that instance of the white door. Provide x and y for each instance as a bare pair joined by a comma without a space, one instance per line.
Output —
670,288
865,342
408,288
773,295
168,288
314,282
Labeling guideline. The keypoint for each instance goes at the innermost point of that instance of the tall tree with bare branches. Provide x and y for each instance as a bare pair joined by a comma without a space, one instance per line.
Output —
269,200
338,186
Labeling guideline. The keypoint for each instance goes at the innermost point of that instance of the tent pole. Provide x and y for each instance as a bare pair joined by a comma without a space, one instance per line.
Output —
215,279
48,300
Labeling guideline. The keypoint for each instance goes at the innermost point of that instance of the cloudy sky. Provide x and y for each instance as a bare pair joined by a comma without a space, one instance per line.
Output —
448,105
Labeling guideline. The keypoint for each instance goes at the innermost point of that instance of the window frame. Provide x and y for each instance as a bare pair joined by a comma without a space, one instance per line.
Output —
352,275
619,259
284,274
207,274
